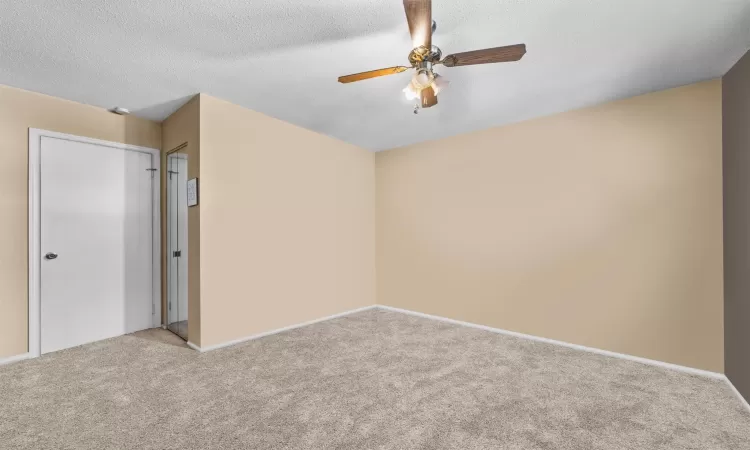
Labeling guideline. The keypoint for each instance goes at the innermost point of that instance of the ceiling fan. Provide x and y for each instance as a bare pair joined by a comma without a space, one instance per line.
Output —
426,84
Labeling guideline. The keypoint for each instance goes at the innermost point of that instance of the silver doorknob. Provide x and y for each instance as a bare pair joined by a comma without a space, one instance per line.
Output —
50,255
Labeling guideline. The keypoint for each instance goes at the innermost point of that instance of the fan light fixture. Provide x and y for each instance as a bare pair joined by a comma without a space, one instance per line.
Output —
423,79
439,84
411,92
426,84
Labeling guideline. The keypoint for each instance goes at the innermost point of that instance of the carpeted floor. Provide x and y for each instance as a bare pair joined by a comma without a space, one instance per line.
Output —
372,380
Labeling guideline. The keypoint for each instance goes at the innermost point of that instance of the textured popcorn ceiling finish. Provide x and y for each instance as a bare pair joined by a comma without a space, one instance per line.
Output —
282,58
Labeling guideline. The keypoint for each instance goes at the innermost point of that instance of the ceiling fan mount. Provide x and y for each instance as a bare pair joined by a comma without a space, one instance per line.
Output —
426,84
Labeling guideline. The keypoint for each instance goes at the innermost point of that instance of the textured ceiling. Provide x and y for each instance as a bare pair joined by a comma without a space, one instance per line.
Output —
282,57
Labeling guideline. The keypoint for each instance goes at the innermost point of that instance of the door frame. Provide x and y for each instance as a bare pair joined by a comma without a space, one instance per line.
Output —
34,236
174,153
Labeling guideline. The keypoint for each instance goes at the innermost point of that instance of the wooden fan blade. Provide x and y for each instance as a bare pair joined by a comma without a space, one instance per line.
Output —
429,98
371,74
419,16
486,56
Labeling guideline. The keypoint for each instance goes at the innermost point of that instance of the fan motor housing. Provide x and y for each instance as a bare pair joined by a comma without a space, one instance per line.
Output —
423,54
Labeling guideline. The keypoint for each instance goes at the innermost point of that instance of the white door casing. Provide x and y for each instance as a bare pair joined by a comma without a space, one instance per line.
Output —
104,206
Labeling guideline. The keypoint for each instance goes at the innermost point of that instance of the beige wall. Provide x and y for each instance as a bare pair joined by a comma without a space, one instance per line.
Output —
19,111
600,227
287,224
183,127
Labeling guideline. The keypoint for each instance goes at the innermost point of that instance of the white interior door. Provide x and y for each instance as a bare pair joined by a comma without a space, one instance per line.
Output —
96,242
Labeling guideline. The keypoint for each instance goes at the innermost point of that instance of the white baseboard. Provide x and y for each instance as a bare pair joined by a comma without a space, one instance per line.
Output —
690,370
16,358
737,393
278,330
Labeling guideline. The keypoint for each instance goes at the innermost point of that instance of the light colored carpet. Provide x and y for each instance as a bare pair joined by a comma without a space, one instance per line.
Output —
373,380
161,335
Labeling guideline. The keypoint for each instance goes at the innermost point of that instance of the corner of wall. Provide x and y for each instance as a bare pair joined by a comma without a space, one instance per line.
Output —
304,204
529,226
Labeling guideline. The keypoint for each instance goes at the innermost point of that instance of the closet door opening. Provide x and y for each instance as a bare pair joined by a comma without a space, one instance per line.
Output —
177,244
93,240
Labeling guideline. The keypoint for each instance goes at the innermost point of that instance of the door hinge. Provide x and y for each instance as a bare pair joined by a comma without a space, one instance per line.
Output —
153,309
152,172
170,306
177,254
